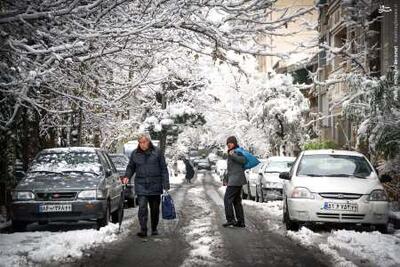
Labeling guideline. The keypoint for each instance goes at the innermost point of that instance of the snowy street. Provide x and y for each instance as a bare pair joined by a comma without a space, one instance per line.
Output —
197,238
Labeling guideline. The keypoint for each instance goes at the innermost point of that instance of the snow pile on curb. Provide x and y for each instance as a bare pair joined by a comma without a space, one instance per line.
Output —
377,248
38,248
304,236
371,248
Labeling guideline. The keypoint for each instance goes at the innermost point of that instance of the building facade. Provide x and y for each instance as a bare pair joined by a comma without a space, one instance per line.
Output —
354,37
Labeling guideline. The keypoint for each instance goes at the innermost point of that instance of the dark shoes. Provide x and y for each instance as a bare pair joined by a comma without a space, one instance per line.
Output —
227,224
154,232
142,234
239,224
235,224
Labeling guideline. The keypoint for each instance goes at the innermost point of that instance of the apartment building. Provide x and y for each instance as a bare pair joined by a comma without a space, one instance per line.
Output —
354,37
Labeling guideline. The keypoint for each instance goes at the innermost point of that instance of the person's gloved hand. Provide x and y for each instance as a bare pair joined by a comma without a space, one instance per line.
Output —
125,180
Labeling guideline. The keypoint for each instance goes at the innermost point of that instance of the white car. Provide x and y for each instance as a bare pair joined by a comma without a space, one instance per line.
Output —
269,186
253,179
332,186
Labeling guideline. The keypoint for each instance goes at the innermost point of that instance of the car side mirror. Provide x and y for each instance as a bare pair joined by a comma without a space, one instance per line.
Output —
284,176
108,172
385,178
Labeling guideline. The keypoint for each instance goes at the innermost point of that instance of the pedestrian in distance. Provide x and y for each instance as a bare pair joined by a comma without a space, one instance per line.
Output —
189,170
152,178
234,179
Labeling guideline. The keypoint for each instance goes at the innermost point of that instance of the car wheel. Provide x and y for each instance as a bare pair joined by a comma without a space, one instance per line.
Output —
290,225
18,226
382,228
104,221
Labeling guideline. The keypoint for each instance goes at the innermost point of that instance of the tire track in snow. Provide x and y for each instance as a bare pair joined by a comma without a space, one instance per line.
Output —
201,233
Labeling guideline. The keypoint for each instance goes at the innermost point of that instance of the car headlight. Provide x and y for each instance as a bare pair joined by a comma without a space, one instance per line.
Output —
88,194
378,195
22,195
302,192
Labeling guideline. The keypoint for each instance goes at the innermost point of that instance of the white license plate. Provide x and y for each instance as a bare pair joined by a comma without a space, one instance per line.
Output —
55,208
340,206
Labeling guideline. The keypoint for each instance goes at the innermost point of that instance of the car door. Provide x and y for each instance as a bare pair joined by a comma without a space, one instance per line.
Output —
115,181
109,179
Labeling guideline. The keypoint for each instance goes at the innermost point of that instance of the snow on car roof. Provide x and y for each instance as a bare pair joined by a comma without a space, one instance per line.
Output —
70,149
332,152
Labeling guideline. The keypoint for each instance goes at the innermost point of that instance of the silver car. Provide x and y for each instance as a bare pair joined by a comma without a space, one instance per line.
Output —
67,184
269,186
252,177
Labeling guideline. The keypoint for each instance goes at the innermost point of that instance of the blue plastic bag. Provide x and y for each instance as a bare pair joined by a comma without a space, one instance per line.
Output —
251,160
168,207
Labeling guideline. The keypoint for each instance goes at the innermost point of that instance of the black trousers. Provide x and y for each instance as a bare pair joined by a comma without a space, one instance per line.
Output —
143,214
233,201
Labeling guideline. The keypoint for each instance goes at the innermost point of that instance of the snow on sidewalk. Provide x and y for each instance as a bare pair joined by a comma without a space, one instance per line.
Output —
43,247
345,246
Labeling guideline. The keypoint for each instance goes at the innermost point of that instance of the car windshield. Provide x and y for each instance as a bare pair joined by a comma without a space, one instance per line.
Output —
120,161
334,166
62,162
278,166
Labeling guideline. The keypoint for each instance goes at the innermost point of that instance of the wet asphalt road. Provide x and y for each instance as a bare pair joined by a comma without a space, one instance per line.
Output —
197,238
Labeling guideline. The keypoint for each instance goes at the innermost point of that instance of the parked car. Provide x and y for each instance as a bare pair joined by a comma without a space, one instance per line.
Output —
270,185
332,186
68,184
121,161
204,164
252,176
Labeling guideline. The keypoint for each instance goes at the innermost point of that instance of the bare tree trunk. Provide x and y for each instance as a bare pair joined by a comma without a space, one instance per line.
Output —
163,136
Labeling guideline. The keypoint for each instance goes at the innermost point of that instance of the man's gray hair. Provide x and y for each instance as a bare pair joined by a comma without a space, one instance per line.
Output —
144,135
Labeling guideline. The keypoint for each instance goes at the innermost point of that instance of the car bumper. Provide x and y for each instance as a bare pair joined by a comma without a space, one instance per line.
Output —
272,193
308,210
81,210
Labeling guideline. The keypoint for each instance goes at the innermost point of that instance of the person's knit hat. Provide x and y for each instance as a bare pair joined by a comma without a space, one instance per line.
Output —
232,139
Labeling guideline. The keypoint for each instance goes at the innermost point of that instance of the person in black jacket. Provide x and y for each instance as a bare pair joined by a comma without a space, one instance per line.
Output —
189,170
234,179
148,163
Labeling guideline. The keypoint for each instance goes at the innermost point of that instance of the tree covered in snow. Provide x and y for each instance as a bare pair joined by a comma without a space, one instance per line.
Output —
80,71
263,110
375,106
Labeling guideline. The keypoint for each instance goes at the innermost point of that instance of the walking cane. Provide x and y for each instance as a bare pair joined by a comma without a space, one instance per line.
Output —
121,207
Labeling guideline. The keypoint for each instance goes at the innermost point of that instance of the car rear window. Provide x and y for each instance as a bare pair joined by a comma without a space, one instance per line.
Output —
334,166
278,166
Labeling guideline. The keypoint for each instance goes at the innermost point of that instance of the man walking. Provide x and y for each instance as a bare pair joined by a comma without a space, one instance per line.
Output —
234,179
151,179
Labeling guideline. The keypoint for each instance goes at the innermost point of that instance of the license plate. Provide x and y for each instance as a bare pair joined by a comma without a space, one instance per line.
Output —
55,208
341,206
